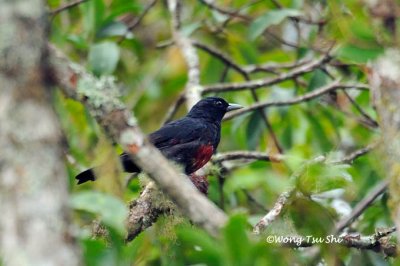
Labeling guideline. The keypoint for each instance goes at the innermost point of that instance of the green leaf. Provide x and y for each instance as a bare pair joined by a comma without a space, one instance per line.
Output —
78,41
322,178
112,211
96,253
121,7
310,218
270,18
318,80
199,247
236,240
319,133
358,54
103,58
254,130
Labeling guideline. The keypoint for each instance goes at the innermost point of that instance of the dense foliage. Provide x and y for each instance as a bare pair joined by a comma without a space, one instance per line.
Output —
132,41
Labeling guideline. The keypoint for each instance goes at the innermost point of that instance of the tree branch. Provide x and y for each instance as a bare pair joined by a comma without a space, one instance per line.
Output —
376,191
98,95
284,197
303,98
377,242
248,155
230,63
348,159
224,11
67,6
258,83
193,89
131,26
145,210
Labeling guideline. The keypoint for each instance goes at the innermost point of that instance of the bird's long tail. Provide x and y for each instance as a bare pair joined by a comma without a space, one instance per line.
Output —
128,165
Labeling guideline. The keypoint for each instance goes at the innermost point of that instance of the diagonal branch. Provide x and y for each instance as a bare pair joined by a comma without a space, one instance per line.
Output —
380,188
284,197
258,83
247,155
303,98
67,6
98,95
230,63
225,11
131,26
355,154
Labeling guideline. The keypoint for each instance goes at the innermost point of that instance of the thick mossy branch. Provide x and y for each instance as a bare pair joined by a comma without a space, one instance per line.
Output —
121,128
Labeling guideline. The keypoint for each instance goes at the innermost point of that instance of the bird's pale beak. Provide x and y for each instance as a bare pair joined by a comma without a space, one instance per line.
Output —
233,106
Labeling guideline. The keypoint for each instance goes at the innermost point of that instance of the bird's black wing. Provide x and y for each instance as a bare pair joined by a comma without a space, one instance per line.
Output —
173,139
181,131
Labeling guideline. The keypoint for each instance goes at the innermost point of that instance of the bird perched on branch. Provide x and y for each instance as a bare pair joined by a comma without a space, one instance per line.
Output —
190,141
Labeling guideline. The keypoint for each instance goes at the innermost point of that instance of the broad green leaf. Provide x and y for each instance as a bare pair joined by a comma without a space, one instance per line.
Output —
318,79
319,133
254,130
199,247
310,218
245,179
112,211
270,18
97,253
320,178
358,54
236,241
103,58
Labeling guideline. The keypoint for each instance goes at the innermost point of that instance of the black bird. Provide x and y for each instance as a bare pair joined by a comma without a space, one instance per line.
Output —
190,141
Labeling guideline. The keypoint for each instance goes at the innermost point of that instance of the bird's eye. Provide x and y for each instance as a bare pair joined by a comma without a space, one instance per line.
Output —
218,103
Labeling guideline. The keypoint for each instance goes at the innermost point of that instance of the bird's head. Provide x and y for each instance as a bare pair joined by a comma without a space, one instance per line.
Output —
212,108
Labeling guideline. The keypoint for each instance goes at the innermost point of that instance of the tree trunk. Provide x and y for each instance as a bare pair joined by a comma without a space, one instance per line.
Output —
384,77
33,182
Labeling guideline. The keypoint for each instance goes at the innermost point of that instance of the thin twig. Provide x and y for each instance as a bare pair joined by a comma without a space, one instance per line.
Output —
303,98
284,197
348,159
225,11
368,118
174,108
251,199
66,6
219,55
274,212
247,155
376,191
258,83
131,26
229,62
273,67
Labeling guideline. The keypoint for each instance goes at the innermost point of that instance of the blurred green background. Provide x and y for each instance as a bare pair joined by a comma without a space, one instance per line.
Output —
152,74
